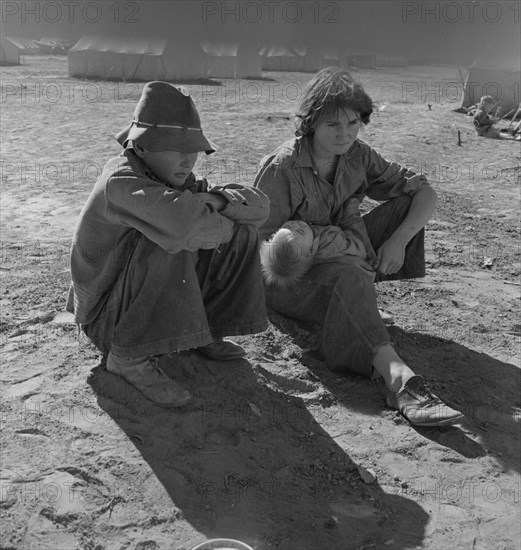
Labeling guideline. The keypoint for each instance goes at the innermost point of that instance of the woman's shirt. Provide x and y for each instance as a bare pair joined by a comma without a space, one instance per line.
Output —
297,192
330,242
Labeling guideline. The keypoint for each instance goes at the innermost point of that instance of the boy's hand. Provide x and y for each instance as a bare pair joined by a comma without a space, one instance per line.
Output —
216,200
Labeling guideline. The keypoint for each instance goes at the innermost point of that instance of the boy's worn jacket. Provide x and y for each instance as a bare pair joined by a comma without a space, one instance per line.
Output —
128,201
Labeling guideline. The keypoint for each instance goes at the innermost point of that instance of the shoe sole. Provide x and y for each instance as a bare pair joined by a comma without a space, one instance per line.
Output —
446,422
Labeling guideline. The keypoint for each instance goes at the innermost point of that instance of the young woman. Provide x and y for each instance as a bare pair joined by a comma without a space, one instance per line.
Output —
314,178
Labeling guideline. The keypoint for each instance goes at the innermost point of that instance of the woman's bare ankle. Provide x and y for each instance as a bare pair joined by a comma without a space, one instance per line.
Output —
392,368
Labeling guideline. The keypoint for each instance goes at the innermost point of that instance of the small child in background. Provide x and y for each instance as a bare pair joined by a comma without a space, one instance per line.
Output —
484,122
292,250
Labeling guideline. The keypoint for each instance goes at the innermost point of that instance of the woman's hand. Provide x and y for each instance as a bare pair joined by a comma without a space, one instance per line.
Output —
390,257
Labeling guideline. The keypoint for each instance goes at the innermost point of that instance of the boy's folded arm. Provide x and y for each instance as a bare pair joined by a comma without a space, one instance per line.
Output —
175,220
218,202
245,204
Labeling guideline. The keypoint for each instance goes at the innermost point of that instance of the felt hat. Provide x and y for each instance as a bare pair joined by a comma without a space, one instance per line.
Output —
165,119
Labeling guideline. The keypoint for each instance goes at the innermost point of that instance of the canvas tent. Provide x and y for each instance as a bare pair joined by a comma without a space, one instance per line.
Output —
54,45
498,77
232,60
359,59
9,52
27,46
330,56
280,58
310,59
389,59
140,59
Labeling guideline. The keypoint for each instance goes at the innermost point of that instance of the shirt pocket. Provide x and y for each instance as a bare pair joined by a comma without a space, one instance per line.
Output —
314,209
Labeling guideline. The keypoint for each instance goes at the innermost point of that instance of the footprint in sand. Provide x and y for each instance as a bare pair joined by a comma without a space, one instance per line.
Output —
291,380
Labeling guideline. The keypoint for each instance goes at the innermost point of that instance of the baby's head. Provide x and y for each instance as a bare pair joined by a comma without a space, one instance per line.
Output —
287,256
486,103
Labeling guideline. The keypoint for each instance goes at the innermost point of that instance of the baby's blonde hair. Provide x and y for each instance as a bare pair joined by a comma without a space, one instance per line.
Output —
283,262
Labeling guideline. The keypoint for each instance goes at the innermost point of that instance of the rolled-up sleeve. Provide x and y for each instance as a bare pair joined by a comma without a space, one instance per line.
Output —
174,220
388,180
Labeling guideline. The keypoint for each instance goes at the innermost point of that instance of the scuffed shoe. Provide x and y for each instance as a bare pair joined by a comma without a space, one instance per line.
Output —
420,406
223,350
143,374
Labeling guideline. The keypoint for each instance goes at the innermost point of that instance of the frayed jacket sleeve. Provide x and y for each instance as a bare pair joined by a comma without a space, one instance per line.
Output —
174,220
246,205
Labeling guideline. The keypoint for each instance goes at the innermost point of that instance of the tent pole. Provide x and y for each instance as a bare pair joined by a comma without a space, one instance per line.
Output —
466,98
514,117
137,66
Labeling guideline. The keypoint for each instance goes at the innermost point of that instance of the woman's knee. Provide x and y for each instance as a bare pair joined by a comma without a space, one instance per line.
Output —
356,278
401,204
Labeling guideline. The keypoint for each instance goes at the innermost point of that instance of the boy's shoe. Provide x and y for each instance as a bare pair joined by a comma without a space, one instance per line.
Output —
143,374
223,350
420,406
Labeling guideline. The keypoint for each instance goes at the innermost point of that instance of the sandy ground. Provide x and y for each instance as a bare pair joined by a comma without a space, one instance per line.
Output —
274,449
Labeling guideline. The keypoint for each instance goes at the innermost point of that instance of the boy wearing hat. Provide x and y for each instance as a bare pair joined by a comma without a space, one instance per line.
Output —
160,261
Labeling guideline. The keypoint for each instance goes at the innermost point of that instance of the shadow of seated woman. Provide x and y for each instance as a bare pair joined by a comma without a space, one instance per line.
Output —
484,389
245,460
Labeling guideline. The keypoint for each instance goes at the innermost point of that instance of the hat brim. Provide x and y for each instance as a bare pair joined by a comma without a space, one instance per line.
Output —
167,139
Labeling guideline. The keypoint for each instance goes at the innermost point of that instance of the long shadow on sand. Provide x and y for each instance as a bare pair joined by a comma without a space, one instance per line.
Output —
486,390
236,467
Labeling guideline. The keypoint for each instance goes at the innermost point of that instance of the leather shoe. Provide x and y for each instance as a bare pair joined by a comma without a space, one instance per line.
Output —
420,406
143,374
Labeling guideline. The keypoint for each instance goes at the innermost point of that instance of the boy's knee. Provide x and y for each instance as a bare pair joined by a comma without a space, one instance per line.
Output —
245,236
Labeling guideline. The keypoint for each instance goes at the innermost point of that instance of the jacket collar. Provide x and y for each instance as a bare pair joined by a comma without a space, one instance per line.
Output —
141,169
305,160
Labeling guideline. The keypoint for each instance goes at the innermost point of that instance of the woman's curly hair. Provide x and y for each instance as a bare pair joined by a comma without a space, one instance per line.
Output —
331,89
